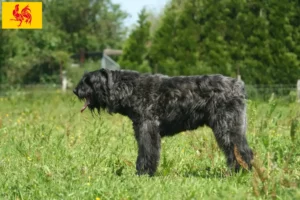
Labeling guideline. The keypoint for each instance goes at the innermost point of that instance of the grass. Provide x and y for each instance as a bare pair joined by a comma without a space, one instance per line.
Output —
49,150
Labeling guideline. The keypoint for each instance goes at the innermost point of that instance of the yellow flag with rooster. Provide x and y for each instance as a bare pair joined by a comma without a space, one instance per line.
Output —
22,15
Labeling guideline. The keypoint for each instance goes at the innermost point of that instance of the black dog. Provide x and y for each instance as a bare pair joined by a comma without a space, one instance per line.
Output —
164,106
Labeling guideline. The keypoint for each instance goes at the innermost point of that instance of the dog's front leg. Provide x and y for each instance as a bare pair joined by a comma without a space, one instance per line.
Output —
148,139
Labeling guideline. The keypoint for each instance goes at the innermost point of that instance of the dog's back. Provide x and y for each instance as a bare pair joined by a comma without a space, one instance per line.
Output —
185,102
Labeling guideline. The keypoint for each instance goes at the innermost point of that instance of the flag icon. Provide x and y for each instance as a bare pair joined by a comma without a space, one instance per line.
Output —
22,15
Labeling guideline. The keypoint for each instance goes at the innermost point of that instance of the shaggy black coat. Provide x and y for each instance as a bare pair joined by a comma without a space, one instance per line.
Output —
161,106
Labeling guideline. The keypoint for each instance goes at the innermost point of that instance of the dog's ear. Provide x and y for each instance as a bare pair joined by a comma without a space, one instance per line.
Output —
108,75
87,80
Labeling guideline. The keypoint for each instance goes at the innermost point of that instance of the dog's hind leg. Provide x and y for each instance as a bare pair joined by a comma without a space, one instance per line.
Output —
222,136
242,152
148,139
229,128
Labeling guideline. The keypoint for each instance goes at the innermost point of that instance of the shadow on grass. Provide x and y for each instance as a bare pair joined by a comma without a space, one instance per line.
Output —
207,173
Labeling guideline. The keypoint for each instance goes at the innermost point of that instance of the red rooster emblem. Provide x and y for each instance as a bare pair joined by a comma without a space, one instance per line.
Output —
25,14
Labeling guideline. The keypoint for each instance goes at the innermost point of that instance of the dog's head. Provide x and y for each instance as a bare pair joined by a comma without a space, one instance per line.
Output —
94,88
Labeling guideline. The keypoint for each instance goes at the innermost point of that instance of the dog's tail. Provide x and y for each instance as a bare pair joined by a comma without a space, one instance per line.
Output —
239,88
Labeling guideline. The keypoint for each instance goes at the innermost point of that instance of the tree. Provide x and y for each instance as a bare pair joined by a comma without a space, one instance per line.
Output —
257,38
35,55
89,24
162,50
135,48
3,49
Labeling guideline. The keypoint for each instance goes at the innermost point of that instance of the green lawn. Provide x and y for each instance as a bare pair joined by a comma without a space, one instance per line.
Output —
49,150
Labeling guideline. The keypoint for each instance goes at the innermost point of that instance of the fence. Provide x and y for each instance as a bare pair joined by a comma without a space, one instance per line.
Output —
7,90
265,92
254,92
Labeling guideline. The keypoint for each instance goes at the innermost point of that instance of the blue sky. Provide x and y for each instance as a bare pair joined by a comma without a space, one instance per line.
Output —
133,7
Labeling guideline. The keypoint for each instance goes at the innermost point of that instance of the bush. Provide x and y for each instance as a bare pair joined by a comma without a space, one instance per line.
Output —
74,74
33,69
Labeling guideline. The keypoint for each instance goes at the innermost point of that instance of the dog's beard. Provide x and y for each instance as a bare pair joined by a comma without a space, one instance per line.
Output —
86,103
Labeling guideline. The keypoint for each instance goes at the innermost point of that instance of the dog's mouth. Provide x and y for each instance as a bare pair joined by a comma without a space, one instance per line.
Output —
86,104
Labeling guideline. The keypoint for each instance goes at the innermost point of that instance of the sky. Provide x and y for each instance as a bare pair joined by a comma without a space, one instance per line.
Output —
133,7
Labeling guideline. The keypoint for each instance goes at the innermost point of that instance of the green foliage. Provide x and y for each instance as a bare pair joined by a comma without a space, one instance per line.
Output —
256,38
49,150
173,50
135,48
35,56
3,48
93,25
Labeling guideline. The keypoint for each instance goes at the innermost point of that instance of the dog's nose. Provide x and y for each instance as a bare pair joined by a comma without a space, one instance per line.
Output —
75,91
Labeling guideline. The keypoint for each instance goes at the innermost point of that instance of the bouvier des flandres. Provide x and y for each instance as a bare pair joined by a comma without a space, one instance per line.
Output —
161,106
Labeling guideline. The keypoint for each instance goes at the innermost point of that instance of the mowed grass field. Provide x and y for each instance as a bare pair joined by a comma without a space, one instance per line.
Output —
49,150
